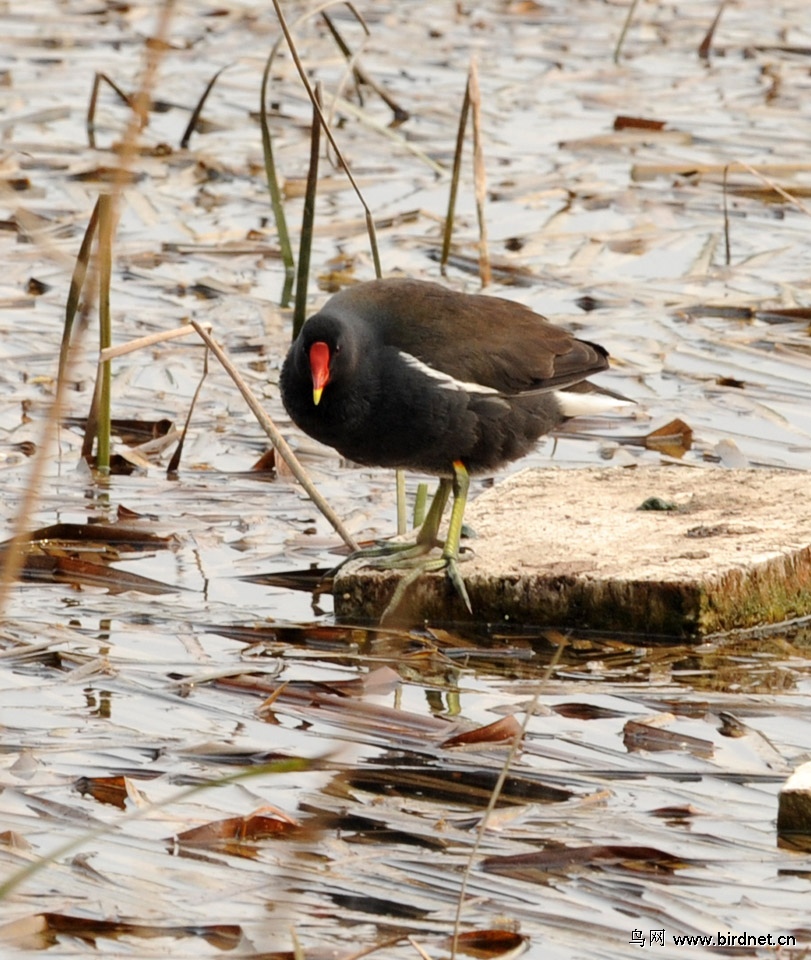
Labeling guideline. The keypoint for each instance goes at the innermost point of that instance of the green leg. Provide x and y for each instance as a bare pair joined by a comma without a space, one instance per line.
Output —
420,499
429,531
411,554
461,485
450,552
449,561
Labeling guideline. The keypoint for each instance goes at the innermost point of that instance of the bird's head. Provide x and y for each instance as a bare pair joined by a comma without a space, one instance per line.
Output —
327,352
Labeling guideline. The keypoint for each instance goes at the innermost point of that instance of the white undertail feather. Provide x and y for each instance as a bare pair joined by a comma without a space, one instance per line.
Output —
588,404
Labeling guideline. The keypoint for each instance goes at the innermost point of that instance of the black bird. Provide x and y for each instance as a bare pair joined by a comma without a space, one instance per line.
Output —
409,374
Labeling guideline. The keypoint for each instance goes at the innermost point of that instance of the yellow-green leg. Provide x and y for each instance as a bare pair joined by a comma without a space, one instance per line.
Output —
461,486
429,531
450,552
449,561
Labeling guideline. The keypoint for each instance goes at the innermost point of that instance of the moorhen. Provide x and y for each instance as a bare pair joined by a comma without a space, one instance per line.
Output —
409,374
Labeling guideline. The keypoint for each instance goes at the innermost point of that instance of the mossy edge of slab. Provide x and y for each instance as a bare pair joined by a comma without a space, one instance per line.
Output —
771,592
760,576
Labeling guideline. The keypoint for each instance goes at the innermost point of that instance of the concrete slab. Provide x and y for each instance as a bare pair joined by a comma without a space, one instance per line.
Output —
571,548
794,805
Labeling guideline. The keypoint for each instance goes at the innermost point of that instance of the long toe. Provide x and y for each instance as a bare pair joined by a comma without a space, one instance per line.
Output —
455,578
413,557
418,567
385,555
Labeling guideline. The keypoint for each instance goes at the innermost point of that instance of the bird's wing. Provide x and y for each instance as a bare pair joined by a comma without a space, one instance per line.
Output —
495,343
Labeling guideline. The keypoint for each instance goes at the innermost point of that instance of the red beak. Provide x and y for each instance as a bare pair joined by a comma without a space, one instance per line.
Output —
319,365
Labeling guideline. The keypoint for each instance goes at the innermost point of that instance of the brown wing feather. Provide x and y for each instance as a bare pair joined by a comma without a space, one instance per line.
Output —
475,338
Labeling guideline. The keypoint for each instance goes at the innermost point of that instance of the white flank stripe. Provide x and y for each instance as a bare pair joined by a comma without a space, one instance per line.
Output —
444,379
585,404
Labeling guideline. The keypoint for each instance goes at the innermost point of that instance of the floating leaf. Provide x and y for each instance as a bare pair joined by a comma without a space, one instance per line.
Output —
489,943
42,930
115,790
649,735
234,832
60,569
674,438
559,858
502,731
637,123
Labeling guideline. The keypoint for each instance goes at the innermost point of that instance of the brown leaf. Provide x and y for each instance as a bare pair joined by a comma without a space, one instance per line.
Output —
116,175
489,943
584,711
132,536
783,314
675,813
266,463
467,787
115,790
38,567
637,123
674,439
131,432
648,735
502,731
43,929
13,840
557,858
266,823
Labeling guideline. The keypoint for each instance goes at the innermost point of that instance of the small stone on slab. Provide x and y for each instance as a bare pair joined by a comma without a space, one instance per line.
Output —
725,550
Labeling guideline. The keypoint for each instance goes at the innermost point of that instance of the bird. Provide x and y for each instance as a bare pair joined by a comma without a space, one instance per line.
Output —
411,374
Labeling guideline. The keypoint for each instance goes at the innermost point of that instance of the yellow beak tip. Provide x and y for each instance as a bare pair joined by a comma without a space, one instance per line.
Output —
317,395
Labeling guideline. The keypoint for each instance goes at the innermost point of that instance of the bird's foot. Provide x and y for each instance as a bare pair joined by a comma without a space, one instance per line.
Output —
386,556
417,567
412,556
